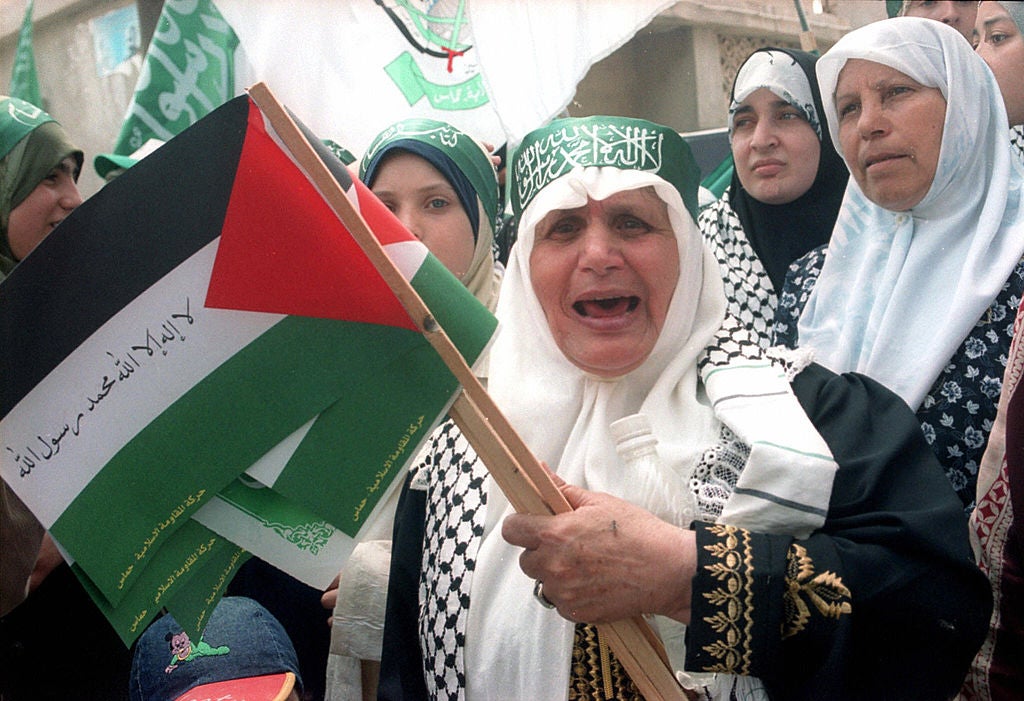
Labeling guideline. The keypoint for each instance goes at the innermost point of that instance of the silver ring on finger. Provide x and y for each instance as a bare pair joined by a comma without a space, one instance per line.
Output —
538,594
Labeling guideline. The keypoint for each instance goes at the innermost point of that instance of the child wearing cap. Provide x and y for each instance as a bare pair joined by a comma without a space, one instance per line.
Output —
244,654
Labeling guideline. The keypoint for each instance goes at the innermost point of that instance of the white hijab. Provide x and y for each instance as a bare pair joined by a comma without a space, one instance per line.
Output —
563,413
899,292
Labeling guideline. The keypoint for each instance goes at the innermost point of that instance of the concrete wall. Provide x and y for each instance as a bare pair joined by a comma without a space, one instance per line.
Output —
679,69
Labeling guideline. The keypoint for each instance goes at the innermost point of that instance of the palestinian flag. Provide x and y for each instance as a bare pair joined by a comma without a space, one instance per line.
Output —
191,316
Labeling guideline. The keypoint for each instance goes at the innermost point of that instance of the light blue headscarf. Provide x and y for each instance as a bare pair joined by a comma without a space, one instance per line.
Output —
899,291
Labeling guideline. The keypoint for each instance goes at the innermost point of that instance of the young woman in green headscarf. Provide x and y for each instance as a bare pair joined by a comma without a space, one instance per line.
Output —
441,183
39,169
41,601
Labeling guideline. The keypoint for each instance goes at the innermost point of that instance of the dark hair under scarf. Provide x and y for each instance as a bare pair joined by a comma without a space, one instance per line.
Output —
445,165
781,233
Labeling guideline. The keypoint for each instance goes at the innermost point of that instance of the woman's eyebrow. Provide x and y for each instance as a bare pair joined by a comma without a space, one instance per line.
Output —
995,20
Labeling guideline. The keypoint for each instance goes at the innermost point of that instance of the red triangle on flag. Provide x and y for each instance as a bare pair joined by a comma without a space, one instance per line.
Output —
283,250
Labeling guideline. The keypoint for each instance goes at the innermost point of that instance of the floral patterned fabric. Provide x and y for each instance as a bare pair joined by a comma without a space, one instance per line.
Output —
958,412
996,672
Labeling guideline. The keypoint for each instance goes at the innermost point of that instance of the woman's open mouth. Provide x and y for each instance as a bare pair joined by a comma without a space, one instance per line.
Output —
606,306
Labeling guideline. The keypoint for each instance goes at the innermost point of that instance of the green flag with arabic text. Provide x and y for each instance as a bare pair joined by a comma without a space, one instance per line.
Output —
188,72
24,81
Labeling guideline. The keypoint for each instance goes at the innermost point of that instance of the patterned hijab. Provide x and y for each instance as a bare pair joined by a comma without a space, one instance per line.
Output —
470,172
31,145
781,233
899,291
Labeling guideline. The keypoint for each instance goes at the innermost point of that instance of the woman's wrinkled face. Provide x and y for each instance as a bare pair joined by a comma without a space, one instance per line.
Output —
774,147
890,132
1001,44
55,197
426,203
605,274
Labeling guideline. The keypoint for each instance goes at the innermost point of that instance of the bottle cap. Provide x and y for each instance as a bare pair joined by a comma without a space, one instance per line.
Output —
630,427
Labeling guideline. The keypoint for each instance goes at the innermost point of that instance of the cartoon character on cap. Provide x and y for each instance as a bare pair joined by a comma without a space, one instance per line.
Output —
182,649
244,653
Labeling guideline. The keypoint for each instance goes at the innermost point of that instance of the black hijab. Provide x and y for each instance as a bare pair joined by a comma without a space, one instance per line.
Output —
781,233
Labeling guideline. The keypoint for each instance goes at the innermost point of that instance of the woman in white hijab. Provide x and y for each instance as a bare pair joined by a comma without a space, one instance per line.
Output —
818,510
923,274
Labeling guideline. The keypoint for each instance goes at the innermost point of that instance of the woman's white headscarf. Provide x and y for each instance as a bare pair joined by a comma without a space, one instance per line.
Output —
563,413
899,292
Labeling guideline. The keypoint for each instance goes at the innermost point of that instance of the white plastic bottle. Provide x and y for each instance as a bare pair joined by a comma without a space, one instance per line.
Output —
648,483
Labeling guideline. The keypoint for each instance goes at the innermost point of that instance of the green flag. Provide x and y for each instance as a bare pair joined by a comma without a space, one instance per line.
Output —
188,72
24,81
718,179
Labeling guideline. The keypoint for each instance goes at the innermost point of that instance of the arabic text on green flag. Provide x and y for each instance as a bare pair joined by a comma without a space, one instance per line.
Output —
188,72
24,81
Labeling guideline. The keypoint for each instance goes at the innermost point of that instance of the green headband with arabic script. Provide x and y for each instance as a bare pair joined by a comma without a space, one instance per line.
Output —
17,119
468,155
550,152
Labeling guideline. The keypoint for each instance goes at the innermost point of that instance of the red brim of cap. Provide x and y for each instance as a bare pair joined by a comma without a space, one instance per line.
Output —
270,687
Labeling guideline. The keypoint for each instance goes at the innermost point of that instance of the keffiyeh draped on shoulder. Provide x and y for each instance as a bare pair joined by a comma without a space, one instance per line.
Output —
755,242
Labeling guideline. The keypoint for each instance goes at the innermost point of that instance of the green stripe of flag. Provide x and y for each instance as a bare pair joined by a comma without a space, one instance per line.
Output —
191,565
217,429
417,377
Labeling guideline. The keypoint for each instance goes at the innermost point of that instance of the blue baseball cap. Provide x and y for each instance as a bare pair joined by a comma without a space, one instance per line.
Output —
244,654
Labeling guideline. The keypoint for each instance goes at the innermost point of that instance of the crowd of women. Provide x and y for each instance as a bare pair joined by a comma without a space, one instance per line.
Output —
825,361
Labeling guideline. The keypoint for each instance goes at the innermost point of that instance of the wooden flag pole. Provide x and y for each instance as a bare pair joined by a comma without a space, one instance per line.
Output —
807,40
508,459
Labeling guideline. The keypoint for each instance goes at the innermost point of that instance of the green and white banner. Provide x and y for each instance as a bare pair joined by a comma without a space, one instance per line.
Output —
24,81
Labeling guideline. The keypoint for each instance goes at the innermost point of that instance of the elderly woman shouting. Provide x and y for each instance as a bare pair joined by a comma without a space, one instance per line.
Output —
793,538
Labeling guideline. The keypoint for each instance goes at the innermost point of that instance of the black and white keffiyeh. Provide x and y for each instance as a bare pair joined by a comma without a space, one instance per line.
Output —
749,291
755,242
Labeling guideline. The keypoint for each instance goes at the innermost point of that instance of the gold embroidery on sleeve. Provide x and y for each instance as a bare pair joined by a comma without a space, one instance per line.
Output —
733,600
825,591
